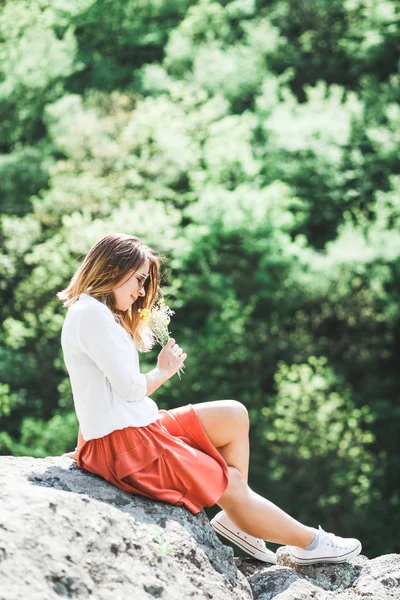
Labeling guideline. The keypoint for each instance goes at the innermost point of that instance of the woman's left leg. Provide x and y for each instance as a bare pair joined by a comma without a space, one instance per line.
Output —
226,423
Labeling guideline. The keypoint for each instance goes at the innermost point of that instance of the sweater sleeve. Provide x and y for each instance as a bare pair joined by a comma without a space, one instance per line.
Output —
108,349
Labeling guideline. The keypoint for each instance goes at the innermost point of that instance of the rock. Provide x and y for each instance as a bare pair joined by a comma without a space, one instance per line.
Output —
376,579
70,534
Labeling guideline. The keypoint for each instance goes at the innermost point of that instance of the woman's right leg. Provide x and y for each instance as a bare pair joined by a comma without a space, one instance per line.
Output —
259,517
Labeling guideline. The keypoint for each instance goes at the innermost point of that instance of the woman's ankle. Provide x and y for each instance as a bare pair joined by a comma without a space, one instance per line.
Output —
306,539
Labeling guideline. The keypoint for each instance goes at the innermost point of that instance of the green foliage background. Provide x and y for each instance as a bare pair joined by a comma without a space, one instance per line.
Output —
256,144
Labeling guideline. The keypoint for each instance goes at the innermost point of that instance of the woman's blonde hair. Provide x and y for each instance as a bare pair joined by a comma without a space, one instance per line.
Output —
108,261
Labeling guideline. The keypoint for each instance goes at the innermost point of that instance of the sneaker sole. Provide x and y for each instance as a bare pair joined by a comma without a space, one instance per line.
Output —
226,533
328,559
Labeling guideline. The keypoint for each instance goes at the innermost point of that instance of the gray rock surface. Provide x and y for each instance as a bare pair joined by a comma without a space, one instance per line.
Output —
360,578
70,534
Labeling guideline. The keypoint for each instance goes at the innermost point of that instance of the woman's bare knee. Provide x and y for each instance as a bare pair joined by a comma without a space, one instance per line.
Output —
236,489
244,414
240,412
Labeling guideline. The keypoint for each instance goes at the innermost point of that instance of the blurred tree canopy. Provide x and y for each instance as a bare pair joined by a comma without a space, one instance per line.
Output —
255,143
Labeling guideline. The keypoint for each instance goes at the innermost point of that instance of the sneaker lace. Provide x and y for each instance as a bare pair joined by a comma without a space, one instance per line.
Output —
330,540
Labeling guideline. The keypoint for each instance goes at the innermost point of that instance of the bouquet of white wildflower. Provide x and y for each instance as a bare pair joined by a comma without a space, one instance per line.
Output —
158,318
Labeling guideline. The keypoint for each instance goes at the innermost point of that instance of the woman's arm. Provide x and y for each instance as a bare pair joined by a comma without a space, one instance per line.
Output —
155,379
169,361
100,340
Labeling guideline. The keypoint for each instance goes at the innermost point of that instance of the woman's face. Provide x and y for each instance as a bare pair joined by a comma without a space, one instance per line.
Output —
131,287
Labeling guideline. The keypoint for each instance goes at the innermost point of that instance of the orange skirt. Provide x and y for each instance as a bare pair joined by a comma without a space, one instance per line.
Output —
172,460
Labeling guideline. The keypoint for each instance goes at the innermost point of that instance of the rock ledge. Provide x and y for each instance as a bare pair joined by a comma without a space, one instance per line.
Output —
67,533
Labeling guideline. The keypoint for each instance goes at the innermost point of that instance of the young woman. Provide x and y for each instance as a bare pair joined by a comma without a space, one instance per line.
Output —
194,456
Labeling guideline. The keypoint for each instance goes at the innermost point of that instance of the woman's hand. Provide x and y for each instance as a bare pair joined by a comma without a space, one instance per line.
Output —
79,444
72,455
171,358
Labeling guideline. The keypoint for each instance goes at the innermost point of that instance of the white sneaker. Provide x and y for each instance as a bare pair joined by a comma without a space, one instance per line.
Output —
331,548
253,546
